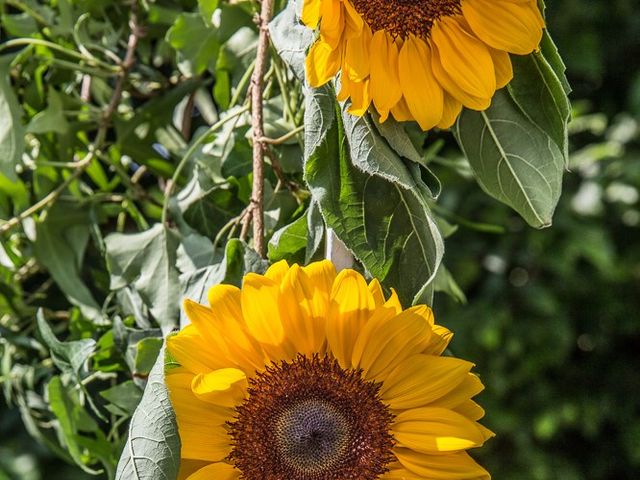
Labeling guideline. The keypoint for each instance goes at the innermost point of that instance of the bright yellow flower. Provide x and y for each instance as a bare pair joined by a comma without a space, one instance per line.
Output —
308,375
419,60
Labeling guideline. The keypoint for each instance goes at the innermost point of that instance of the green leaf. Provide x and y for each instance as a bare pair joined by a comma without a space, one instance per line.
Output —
61,240
291,39
315,231
207,7
152,449
289,243
539,93
147,351
197,45
11,130
147,262
52,118
66,411
514,161
69,357
126,396
371,153
388,228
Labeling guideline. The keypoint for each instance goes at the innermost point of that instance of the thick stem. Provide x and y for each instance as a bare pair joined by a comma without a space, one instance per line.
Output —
259,148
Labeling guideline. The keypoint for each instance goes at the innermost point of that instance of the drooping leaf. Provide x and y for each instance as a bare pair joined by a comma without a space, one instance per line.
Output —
152,449
70,357
371,153
514,160
61,240
147,262
11,130
539,93
388,228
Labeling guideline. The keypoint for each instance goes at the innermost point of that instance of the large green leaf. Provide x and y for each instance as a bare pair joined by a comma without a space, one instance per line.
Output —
61,240
152,449
147,261
11,130
514,160
539,93
388,228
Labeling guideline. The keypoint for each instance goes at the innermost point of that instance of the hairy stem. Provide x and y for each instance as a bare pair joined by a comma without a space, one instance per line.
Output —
259,148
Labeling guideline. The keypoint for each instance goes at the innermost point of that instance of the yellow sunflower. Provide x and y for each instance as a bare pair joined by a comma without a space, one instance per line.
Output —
419,60
305,374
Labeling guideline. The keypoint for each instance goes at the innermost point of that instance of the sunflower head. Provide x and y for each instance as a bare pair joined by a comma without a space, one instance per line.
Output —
419,60
311,375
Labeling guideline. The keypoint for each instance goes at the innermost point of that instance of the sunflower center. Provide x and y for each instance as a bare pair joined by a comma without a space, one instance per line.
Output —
309,419
403,17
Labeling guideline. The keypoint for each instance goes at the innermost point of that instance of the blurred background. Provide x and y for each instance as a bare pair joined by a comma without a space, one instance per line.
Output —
551,317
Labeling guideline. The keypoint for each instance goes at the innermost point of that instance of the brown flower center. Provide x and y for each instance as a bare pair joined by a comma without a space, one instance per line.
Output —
403,17
309,419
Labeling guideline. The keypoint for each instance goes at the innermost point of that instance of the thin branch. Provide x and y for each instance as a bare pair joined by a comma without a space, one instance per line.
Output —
257,86
283,138
81,165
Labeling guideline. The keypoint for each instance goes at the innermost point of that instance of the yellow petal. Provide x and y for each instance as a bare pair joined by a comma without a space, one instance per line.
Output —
432,430
502,64
401,112
216,471
439,340
420,88
376,291
226,387
465,58
356,56
470,409
387,342
468,388
385,83
353,21
360,97
305,306
228,324
332,22
515,27
322,63
311,12
452,466
260,309
277,271
351,304
421,379
188,408
451,111
451,86
204,442
193,352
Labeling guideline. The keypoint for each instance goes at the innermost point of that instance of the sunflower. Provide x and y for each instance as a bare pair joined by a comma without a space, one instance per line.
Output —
305,374
419,60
